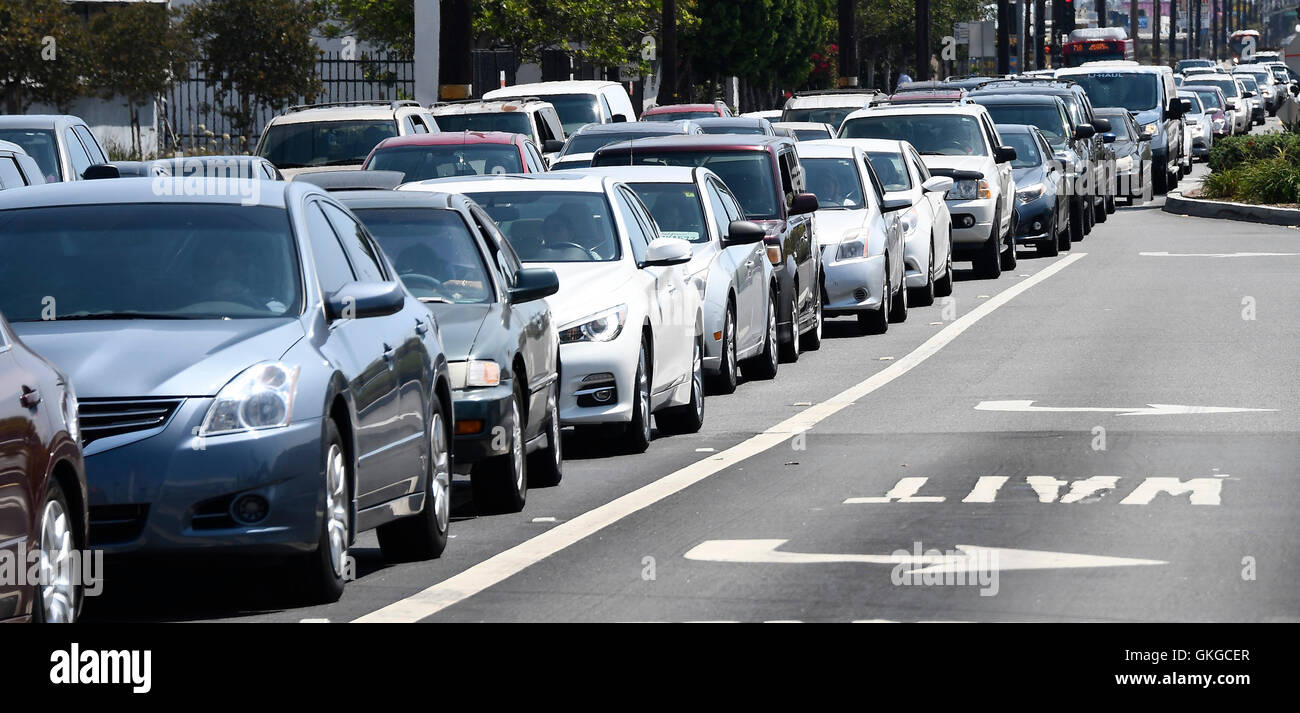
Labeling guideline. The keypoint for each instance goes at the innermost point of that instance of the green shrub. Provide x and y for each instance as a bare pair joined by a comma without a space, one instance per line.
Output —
1233,151
1223,184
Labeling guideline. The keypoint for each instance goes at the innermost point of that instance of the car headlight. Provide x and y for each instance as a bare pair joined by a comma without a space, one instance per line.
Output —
1031,192
1150,129
853,244
909,220
968,190
1219,123
600,327
1124,164
260,397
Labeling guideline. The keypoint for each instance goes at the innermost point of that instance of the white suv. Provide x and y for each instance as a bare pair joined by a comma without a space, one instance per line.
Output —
959,141
530,116
338,135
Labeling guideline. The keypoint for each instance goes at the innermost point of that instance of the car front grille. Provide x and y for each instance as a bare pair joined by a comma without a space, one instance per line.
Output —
101,418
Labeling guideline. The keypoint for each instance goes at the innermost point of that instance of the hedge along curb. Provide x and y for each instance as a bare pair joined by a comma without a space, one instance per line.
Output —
1178,204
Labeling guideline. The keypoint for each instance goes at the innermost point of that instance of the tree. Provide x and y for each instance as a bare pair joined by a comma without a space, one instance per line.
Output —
42,54
138,50
259,52
386,24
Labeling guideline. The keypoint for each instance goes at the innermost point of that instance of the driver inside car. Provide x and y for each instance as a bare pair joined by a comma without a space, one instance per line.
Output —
423,261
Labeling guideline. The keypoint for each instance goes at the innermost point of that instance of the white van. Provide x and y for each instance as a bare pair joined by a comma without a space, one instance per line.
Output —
578,102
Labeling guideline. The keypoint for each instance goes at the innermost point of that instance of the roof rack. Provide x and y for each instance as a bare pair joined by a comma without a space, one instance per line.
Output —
500,100
1024,79
833,92
394,104
920,102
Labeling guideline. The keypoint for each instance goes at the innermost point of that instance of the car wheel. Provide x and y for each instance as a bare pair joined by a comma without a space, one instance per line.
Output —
636,435
943,286
812,340
500,483
790,350
324,570
1110,204
690,417
724,382
764,365
58,594
546,465
876,321
1050,247
924,296
988,263
898,305
1160,178
424,535
1007,260
1076,220
1099,212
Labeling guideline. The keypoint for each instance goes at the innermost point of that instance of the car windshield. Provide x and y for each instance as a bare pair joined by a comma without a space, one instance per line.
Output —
554,226
676,208
755,129
324,143
1226,84
1210,99
835,182
891,170
1047,117
748,173
433,252
575,110
40,145
421,163
1248,81
1197,107
931,134
148,261
812,134
512,122
1027,153
833,115
1132,90
679,115
591,141
1118,126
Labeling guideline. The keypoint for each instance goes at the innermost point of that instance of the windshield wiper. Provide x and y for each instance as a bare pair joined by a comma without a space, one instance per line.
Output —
437,300
120,315
344,162
291,165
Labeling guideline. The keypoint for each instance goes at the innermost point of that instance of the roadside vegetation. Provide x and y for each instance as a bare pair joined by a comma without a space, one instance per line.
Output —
1256,168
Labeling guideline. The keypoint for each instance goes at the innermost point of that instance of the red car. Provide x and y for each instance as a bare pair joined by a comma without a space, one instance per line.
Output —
44,514
676,112
456,153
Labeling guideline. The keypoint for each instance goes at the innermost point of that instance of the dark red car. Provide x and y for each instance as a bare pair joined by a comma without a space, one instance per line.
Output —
451,154
677,112
43,481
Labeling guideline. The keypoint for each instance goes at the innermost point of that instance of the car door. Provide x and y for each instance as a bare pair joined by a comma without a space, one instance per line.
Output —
1006,182
672,353
738,262
799,229
756,266
17,438
935,209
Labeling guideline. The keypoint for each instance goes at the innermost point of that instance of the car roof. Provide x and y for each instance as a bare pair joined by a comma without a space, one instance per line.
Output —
142,190
452,138
802,125
581,86
1016,128
1112,66
37,121
826,148
574,181
487,106
648,127
914,109
646,174
1001,97
379,198
11,146
691,142
890,145
336,113
675,108
832,100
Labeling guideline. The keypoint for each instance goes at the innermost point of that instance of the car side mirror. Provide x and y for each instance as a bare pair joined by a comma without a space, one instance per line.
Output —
804,203
663,252
1101,125
1084,131
1185,105
1231,105
552,146
534,283
1007,154
359,300
1144,136
101,170
890,205
1108,138
1248,94
937,184
618,119
743,232
1295,88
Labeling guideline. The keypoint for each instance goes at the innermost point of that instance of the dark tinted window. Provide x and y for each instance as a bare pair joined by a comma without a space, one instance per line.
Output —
747,173
553,226
676,208
590,142
1026,146
433,251
364,261
40,145
835,182
332,268
1047,117
325,143
421,163
510,122
575,110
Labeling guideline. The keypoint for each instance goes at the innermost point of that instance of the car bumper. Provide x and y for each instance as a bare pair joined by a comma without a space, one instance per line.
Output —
852,286
594,367
1034,219
486,409
172,491
916,259
972,220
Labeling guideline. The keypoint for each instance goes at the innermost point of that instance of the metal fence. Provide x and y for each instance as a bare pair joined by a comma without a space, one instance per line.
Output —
194,121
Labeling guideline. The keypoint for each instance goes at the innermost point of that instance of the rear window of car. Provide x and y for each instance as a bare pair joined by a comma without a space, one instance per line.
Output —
748,173
41,146
509,122
931,134
422,163
325,143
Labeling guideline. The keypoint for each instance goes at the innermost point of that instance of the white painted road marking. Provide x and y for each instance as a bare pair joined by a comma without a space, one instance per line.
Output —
1168,254
1200,491
972,557
1149,410
510,562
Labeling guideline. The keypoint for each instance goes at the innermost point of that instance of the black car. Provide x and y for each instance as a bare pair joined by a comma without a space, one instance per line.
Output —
1132,148
1042,206
43,511
764,174
501,344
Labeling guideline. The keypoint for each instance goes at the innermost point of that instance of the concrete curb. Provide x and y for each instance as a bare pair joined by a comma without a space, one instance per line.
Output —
1178,204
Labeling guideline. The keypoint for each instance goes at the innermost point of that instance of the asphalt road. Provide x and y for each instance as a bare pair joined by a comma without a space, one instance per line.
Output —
865,455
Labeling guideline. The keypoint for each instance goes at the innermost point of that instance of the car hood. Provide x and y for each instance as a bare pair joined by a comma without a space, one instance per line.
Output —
459,326
960,163
586,288
158,357
1027,175
1150,115
833,224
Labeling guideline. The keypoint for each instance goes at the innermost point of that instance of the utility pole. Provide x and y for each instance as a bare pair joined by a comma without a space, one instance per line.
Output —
848,44
1214,30
1040,33
1100,7
456,59
1004,38
668,55
1133,26
1155,33
1173,30
923,39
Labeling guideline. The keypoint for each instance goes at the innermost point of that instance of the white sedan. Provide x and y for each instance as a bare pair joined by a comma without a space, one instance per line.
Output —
729,266
631,326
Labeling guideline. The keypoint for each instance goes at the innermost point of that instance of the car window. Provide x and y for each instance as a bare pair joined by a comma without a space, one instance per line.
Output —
40,145
835,182
10,176
931,134
918,164
722,217
787,177
553,226
324,143
1026,146
891,170
80,159
507,260
332,268
92,146
747,173
421,163
365,262
410,125
636,232
533,158
604,103
676,209
435,253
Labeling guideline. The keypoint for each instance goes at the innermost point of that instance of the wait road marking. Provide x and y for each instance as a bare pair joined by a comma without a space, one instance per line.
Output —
1149,410
1220,255
1200,491
510,562
972,557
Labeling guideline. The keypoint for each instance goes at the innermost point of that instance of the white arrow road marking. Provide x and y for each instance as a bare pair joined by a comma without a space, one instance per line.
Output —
973,557
1150,410
1167,254
508,563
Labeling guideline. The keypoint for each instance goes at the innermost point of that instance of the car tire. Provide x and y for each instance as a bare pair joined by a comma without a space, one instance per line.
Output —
688,418
812,339
943,286
1110,204
324,570
1051,247
500,483
1099,212
57,601
764,366
424,536
1160,178
790,349
988,262
724,382
924,296
898,304
1007,260
546,465
1077,221
876,321
636,433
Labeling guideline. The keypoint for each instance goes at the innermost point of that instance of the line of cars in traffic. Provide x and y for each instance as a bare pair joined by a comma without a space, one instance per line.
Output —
233,364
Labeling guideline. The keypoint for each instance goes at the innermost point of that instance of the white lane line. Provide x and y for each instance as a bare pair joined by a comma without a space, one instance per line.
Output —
510,562
1169,254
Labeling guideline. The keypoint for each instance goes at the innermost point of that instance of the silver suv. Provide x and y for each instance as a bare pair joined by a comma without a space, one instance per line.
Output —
531,116
338,135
